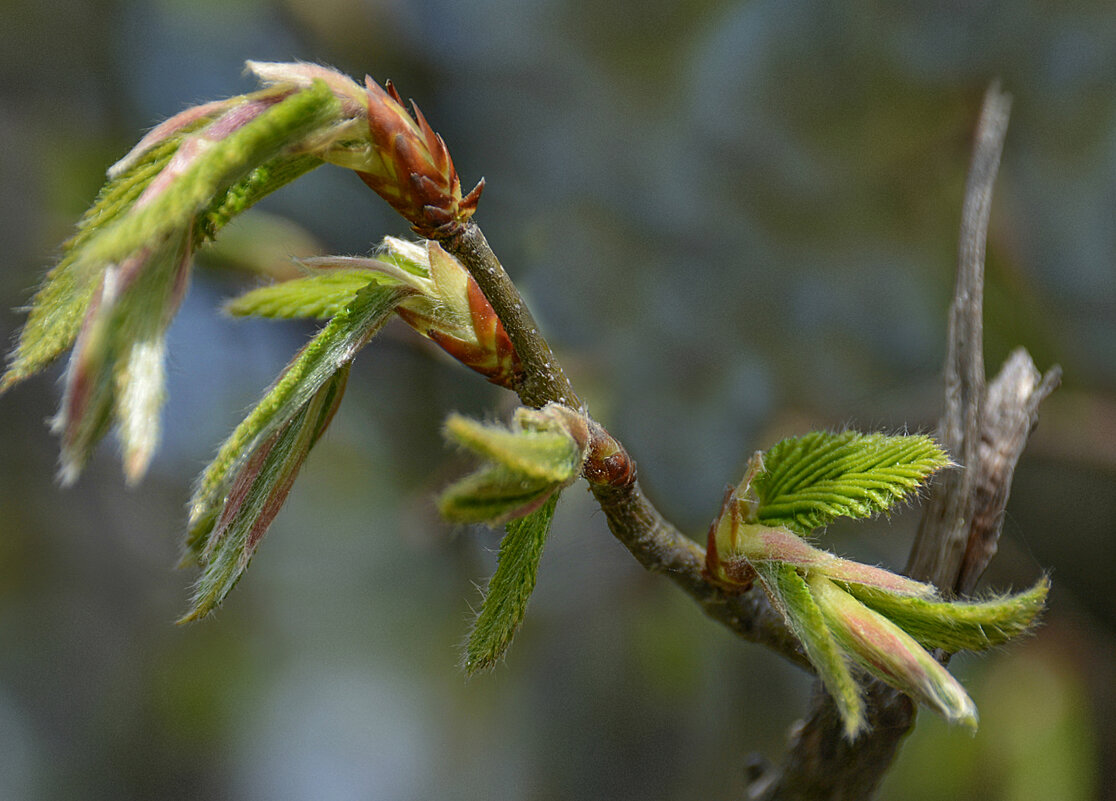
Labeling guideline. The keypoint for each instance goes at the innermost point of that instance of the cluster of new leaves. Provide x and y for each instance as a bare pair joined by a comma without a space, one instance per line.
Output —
845,613
123,275
528,465
243,489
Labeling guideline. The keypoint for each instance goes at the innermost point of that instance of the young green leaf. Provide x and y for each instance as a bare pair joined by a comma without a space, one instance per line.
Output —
547,454
209,166
335,346
256,494
505,601
319,296
494,495
791,595
890,654
958,625
809,481
58,308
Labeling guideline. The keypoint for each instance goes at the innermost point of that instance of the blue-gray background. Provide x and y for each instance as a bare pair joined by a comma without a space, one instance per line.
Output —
736,221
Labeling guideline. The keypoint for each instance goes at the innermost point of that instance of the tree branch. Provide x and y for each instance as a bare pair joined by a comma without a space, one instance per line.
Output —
543,380
986,429
611,473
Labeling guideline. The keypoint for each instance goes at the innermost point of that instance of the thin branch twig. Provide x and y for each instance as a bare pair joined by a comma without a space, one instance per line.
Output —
543,380
940,542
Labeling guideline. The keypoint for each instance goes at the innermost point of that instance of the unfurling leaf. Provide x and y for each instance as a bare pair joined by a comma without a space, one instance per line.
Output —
333,348
791,595
889,653
510,588
538,455
809,481
256,494
315,296
528,465
958,625
842,610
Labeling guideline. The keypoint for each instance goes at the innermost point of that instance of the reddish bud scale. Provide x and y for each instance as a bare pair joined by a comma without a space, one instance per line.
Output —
418,177
606,461
492,354
504,361
734,575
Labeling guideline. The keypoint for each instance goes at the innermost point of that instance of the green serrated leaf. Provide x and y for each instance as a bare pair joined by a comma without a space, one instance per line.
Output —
958,625
59,306
217,167
549,455
334,346
319,296
493,495
242,195
810,481
257,493
791,595
505,601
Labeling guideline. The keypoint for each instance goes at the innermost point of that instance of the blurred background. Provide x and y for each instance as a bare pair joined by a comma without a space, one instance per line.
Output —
736,221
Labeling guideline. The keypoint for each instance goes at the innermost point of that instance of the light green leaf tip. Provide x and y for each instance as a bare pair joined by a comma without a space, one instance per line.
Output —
809,481
316,296
958,625
548,454
505,601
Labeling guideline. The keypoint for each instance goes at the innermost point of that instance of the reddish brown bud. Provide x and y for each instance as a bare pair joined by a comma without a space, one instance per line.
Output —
411,167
